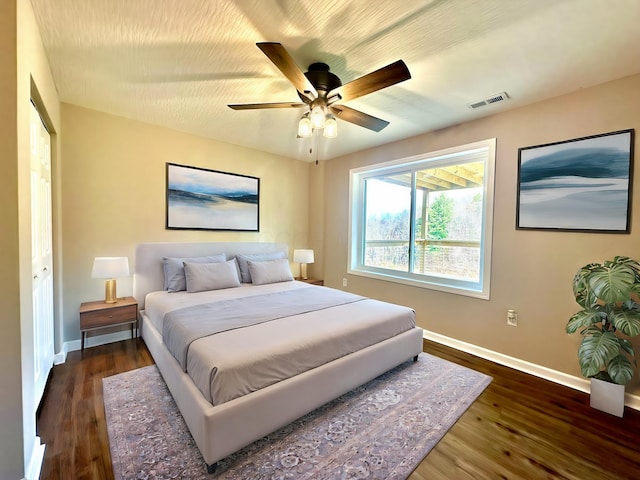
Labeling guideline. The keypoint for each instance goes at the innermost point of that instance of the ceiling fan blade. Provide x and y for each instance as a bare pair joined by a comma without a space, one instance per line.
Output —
255,106
358,118
285,63
384,77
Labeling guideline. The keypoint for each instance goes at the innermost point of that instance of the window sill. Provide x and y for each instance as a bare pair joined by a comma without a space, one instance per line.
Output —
386,277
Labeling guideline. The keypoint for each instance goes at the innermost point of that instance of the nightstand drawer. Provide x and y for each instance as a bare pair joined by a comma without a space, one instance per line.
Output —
99,314
112,316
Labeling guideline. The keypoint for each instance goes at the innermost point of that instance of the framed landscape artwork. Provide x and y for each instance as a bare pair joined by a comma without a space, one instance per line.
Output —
201,199
581,185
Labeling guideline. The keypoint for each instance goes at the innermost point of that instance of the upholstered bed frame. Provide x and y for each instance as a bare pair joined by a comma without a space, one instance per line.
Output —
223,429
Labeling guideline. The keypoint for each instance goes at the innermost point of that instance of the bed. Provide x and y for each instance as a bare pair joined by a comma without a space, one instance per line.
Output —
229,399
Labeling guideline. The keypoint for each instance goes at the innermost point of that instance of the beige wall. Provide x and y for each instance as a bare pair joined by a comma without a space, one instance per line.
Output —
11,450
113,195
531,270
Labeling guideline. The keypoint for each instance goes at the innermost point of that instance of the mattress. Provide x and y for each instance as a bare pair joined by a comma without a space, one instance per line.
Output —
236,362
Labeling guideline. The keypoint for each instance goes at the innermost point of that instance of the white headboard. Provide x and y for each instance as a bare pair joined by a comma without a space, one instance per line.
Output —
148,274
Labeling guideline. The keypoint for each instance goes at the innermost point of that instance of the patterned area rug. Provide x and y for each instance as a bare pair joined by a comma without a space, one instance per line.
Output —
381,430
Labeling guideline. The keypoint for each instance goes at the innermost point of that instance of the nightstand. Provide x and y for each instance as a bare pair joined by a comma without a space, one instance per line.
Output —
312,281
94,315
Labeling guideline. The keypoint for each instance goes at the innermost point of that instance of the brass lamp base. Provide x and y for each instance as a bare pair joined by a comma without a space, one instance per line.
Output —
303,271
110,291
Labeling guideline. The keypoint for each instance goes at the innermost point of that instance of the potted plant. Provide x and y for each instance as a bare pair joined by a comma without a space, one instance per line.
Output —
607,293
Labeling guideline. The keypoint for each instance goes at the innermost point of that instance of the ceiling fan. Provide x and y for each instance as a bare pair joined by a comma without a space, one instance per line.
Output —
320,90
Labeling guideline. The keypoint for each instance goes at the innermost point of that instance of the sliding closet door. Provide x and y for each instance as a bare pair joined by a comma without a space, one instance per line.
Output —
41,253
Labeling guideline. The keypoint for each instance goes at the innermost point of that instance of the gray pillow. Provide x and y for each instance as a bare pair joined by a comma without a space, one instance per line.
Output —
201,277
174,270
245,275
271,271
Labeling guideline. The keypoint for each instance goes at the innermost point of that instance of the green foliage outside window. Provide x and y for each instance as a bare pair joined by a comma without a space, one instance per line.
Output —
440,216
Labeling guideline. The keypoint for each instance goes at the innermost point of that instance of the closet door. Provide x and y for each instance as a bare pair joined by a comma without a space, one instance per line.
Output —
41,253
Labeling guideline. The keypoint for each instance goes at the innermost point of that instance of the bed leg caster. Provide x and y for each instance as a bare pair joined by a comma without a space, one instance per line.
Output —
212,468
415,359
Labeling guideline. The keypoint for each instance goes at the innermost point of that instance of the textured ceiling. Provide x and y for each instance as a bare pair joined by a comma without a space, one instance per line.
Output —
178,63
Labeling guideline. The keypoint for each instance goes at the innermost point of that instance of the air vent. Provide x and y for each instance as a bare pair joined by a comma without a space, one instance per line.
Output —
498,97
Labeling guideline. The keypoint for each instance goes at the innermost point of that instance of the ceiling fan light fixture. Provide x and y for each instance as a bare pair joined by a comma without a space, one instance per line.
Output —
304,126
330,127
317,116
320,90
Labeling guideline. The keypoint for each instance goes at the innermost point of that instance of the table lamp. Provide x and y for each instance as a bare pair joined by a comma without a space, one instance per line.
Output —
303,256
110,268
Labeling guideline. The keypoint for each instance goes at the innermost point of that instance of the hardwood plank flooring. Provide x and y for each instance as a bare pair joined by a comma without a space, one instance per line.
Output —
72,422
524,427
521,427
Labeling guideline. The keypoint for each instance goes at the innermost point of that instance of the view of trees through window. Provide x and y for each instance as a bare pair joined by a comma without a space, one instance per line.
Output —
445,222
426,220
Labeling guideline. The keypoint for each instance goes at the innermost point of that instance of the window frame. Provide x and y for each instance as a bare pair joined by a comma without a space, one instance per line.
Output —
357,176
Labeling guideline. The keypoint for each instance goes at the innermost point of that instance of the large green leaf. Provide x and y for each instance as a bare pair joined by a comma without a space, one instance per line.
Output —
581,290
629,262
596,350
583,318
612,283
620,369
627,346
627,321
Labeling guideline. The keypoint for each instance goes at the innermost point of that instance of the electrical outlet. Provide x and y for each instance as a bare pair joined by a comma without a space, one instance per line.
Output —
512,318
344,282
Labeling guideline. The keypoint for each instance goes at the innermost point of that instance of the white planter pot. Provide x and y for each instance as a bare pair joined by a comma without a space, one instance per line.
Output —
607,397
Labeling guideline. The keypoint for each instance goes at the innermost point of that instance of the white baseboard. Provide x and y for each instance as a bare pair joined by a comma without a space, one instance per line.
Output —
571,381
94,341
35,460
60,357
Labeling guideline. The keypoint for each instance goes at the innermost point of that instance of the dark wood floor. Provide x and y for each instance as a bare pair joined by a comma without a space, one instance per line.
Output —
71,422
521,427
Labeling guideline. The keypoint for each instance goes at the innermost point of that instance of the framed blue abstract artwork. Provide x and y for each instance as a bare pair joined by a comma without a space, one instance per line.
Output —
202,199
581,185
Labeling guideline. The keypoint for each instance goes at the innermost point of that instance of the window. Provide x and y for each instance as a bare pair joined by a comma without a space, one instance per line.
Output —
426,220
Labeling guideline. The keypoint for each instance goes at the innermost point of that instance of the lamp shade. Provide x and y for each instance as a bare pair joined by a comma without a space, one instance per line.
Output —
303,256
317,117
304,126
330,127
110,267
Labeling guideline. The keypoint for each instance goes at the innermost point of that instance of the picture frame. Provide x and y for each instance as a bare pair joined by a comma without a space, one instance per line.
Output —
202,199
578,185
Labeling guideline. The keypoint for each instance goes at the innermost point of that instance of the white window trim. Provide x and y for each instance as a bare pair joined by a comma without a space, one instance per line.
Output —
356,178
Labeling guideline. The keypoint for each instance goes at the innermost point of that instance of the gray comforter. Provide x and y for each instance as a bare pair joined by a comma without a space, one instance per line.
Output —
241,360
183,326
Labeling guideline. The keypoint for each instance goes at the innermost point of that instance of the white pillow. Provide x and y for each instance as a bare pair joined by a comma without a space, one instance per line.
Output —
174,270
201,277
245,274
271,271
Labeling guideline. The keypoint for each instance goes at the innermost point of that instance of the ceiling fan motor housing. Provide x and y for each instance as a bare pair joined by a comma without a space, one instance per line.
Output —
322,79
